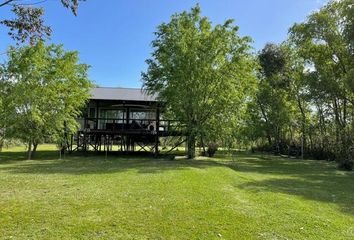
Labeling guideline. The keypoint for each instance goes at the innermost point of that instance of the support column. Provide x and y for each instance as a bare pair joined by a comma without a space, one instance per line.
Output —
128,118
97,114
127,137
157,130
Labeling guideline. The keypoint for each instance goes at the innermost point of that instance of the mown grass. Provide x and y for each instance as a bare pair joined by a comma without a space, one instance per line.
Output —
251,196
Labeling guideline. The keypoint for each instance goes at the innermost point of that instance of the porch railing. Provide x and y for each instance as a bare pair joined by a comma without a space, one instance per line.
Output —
120,124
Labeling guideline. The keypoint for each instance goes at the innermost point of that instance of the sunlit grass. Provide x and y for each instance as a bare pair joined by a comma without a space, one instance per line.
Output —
242,197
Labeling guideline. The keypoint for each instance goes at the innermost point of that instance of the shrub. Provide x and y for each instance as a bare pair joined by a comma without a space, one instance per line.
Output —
212,148
171,157
345,153
347,165
345,159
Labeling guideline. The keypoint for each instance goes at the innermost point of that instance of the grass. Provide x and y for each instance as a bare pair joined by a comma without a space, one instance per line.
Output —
250,197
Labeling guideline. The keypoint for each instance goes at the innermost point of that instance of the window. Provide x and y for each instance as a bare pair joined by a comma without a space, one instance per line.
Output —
141,114
112,113
92,113
110,116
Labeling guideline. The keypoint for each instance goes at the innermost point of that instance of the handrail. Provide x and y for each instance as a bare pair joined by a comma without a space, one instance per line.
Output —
125,119
128,124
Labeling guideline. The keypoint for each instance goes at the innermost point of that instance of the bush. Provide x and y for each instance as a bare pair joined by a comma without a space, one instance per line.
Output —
346,165
345,153
171,157
345,160
6,143
319,153
212,148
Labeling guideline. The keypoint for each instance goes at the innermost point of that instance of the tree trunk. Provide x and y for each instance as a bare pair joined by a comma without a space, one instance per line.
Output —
337,127
323,129
277,140
1,144
29,150
191,146
34,149
269,140
62,149
303,128
203,145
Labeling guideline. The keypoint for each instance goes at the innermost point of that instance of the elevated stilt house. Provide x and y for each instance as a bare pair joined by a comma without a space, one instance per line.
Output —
123,119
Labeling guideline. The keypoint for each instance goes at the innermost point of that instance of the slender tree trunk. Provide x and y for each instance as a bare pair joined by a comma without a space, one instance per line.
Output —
1,144
337,126
62,149
267,122
323,128
345,113
303,127
269,139
191,146
29,150
277,140
311,140
34,149
203,144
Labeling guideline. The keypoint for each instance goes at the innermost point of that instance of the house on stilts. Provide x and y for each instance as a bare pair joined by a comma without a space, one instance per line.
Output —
125,120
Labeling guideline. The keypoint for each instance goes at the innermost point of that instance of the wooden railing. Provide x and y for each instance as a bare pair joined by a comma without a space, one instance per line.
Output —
116,124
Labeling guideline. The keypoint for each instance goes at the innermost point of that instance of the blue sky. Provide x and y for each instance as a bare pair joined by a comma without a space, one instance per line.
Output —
114,36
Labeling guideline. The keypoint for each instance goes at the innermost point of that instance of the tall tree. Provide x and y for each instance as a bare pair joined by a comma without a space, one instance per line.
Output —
272,97
4,106
28,24
278,112
325,42
48,88
202,73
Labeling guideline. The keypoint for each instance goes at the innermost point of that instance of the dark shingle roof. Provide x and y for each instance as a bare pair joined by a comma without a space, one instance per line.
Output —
125,94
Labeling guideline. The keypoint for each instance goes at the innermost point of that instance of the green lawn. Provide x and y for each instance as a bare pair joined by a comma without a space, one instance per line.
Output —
252,197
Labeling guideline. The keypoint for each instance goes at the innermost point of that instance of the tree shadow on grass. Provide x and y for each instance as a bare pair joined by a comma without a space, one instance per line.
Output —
78,163
338,191
312,180
6,157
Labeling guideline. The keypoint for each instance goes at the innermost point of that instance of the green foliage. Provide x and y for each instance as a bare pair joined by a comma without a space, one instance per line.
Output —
272,60
204,74
28,25
325,42
47,89
305,90
212,148
273,110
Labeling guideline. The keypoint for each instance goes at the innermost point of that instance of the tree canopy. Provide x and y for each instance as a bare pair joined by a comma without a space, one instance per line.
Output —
28,24
202,73
46,89
305,88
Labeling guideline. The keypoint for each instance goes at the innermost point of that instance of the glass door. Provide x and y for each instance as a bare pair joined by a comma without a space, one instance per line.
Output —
111,118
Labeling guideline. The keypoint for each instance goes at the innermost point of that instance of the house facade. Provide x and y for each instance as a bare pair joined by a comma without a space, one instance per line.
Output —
122,119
